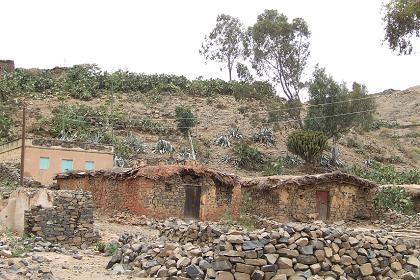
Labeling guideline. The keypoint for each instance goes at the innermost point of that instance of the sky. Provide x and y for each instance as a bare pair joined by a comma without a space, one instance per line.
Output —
165,36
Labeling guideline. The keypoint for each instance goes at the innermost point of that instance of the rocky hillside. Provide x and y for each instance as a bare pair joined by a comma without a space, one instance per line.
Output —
394,138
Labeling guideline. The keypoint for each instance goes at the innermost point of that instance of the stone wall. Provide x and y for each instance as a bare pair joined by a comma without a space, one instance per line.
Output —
6,65
345,202
203,250
159,199
69,220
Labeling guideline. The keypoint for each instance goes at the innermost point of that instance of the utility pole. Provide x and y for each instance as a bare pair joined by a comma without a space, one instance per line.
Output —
22,151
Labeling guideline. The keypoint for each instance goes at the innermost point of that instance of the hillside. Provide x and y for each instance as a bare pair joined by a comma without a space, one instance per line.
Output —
395,139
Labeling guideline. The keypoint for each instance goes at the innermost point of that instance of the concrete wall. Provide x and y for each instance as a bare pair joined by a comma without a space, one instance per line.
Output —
299,203
12,210
157,198
55,155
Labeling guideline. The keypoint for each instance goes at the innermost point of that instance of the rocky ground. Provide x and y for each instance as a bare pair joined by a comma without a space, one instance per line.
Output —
179,250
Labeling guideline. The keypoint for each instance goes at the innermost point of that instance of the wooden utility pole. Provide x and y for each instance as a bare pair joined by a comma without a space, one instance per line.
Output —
22,151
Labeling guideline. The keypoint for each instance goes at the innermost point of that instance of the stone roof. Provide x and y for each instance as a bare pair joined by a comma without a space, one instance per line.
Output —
155,172
271,182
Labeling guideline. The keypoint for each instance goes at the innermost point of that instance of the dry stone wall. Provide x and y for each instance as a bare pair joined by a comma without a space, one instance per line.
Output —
69,221
201,250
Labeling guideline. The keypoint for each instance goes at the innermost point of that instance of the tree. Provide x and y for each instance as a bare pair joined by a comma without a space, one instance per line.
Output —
280,50
307,144
333,109
402,22
225,42
185,121
243,73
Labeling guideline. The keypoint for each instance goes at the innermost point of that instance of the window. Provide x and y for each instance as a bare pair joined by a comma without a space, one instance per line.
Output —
66,165
44,163
89,165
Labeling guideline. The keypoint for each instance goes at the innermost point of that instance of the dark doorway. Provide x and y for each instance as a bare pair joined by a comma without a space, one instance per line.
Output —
192,202
322,198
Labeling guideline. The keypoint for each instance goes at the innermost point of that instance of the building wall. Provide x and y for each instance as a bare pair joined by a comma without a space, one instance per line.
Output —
299,203
158,199
55,155
7,65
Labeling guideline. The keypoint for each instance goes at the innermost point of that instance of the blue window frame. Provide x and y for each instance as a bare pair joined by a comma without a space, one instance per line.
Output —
89,165
44,163
66,165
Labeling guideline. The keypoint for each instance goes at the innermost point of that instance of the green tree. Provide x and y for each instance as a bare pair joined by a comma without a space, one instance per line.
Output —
185,121
5,124
402,22
224,44
334,109
280,50
307,144
243,73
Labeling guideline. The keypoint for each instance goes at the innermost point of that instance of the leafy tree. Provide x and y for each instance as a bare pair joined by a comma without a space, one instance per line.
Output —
185,121
394,198
243,73
402,22
280,50
333,109
307,144
248,157
224,44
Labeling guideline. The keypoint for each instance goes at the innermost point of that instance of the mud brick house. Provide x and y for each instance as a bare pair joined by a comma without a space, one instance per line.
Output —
330,196
162,191
44,158
6,66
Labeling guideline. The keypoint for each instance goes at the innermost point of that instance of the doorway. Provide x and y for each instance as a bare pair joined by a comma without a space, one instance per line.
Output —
322,204
192,202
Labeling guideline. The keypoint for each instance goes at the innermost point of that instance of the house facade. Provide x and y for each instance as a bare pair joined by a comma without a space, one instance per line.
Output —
183,191
44,158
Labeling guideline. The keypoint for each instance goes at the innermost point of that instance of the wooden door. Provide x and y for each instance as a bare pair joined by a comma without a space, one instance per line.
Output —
322,204
192,202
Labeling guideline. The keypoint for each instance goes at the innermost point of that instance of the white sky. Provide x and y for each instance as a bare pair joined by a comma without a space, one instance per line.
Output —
164,36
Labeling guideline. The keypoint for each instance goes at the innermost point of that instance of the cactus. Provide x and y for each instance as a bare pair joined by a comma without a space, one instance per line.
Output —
307,144
265,136
136,144
163,146
185,154
235,133
223,141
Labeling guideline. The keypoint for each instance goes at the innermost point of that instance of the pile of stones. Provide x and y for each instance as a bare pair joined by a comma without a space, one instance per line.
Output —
399,220
198,250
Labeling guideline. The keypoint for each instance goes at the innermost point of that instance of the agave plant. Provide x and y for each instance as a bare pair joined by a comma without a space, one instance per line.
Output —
163,146
235,133
136,144
223,141
264,135
185,154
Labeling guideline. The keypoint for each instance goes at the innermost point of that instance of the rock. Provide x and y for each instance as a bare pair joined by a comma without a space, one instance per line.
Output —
241,276
6,253
284,263
269,268
118,268
256,262
412,260
328,252
307,250
306,259
257,275
353,241
315,268
244,268
115,259
222,265
271,258
194,271
279,277
163,272
224,275
337,269
204,265
346,260
302,241
252,245
408,276
235,239
396,266
183,262
77,257
366,269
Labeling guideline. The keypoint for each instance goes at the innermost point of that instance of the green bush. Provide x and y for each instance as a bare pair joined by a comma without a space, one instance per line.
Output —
307,144
82,81
185,119
274,167
5,124
248,157
385,174
394,198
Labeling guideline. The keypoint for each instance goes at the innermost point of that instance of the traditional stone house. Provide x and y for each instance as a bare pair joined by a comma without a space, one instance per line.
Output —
330,196
185,191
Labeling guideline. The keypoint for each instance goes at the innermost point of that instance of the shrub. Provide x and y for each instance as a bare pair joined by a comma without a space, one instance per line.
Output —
274,167
135,144
111,249
151,127
307,144
223,141
265,136
185,119
163,146
235,133
248,157
385,174
82,81
20,246
393,198
5,124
